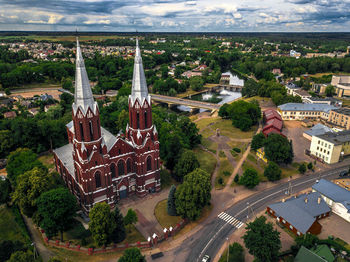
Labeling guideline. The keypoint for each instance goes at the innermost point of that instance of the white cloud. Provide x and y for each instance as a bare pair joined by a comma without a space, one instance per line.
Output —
99,22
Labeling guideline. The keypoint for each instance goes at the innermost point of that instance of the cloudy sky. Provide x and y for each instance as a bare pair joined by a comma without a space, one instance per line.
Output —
176,16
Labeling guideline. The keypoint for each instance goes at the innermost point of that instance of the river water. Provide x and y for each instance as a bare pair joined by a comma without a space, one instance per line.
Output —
225,95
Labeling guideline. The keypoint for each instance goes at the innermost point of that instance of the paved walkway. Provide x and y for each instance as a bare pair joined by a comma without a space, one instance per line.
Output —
35,235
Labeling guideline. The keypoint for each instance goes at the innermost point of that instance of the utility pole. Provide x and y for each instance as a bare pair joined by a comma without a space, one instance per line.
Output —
289,186
228,249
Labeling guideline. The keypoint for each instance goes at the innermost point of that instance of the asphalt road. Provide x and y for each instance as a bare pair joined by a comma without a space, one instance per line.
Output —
214,234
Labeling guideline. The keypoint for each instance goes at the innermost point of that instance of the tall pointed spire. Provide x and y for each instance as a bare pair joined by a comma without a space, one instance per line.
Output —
139,85
83,95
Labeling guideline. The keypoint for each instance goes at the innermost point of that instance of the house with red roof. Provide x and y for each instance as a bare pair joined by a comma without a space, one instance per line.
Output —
273,122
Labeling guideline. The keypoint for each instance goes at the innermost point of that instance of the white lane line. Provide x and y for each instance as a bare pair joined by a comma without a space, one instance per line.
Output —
212,239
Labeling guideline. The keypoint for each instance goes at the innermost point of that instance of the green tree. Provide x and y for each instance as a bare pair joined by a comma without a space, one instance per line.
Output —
7,247
102,223
330,90
118,234
236,179
236,254
278,149
262,240
272,171
21,256
307,240
250,178
186,164
5,190
29,187
196,83
56,210
20,161
302,168
310,166
171,207
54,259
223,111
251,88
130,218
193,194
258,141
132,255
6,143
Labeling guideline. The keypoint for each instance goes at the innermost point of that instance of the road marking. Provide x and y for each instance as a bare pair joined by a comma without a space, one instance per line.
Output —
222,213
230,220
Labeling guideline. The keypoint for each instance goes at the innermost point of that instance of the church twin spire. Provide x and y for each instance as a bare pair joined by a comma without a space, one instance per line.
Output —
139,89
83,95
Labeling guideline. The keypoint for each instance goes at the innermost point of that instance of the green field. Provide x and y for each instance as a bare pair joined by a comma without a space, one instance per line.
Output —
206,160
12,226
162,216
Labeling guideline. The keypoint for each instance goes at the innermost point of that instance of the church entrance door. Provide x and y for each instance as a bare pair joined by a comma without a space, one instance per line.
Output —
123,193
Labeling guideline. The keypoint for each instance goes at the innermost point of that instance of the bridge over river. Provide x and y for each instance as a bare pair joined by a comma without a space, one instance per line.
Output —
193,104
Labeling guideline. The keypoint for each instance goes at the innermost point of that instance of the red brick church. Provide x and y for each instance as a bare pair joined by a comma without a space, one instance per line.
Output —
98,166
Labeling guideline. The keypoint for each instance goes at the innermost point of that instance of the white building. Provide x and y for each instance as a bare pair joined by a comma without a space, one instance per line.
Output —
300,111
330,147
336,197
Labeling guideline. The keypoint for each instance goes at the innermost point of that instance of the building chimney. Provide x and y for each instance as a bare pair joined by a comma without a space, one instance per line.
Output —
319,200
305,199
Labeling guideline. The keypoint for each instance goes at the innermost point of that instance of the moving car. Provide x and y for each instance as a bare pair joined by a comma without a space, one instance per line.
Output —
206,258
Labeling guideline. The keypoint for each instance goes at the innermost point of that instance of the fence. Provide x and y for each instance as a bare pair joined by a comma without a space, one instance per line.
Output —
151,241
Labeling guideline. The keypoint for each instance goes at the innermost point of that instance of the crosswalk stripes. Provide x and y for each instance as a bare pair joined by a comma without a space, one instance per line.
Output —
230,220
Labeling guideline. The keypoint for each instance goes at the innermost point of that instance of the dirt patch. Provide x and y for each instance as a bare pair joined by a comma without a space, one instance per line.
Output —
28,94
336,226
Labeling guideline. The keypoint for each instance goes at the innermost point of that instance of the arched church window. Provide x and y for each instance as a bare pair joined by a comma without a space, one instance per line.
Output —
113,170
146,120
98,179
121,169
138,120
91,131
149,163
81,131
128,166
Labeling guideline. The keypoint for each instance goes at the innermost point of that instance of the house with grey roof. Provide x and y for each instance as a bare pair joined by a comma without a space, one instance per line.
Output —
317,129
301,111
336,197
300,214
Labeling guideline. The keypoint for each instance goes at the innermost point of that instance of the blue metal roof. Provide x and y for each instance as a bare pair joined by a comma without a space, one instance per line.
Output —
306,107
332,191
318,129
299,213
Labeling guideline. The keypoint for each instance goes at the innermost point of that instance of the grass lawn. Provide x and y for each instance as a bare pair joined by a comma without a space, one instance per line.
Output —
259,166
162,216
288,171
35,85
133,235
12,226
204,122
75,235
227,129
206,160
225,170
210,145
48,161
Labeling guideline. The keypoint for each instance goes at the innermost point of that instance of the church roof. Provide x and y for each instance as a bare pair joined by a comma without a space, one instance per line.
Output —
64,154
83,95
139,85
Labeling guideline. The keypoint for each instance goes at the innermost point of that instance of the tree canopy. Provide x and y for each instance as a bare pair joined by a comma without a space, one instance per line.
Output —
278,149
132,255
56,209
250,178
193,194
186,164
262,240
102,223
272,171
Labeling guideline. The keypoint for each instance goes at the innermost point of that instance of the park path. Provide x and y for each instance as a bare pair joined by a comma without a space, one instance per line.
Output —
240,163
35,235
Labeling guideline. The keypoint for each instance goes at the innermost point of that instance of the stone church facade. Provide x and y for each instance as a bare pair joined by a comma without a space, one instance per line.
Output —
97,166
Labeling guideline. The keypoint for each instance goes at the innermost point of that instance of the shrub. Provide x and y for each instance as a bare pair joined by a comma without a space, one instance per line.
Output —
236,149
236,179
226,173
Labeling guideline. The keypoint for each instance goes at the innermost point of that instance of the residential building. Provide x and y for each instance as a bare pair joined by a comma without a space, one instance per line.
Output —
276,71
342,85
300,214
272,122
97,166
319,88
336,197
301,111
301,93
10,114
331,147
320,253
340,117
291,87
319,100
317,129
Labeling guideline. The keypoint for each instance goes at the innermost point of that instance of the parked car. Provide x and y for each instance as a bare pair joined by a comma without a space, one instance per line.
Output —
343,174
206,258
